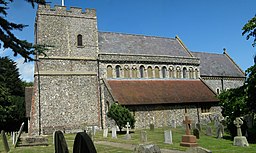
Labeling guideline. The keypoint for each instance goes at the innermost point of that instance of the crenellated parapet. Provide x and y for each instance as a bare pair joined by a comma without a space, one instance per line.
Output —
62,11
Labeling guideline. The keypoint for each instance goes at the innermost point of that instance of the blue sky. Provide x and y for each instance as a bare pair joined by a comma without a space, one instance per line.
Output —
203,25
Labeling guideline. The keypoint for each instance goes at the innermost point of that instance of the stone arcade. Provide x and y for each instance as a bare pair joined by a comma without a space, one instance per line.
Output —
85,71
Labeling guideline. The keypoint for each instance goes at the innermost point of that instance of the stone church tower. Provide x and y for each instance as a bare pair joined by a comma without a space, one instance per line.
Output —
67,93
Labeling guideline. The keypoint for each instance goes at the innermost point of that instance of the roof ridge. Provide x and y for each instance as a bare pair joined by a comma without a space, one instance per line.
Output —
183,45
121,33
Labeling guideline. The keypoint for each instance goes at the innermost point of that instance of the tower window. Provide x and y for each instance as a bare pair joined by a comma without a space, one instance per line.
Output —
79,40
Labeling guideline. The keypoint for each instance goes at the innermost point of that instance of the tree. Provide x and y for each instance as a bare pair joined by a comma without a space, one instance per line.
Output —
9,40
251,87
12,104
121,116
250,29
233,104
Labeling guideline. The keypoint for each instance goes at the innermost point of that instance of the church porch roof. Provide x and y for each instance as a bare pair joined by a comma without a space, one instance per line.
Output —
144,92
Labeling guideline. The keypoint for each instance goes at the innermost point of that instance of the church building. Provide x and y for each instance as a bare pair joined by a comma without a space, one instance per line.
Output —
85,71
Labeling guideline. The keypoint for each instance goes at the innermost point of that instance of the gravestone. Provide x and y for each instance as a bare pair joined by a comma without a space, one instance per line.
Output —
187,139
83,144
105,133
90,133
174,123
151,125
60,144
127,135
13,137
168,136
239,140
198,126
143,136
220,131
18,136
114,132
5,142
208,131
148,148
196,133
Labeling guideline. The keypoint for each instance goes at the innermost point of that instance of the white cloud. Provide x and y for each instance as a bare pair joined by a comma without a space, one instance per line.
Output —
26,70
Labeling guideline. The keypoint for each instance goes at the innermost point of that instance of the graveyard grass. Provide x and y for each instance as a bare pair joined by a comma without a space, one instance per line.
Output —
156,137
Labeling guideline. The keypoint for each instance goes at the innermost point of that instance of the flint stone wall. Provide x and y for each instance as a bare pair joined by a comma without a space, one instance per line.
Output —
228,83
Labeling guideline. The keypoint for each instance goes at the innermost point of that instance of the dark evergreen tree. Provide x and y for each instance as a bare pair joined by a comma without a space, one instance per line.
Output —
9,40
121,116
12,105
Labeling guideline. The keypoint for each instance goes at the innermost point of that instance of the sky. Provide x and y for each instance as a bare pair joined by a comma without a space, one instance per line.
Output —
202,25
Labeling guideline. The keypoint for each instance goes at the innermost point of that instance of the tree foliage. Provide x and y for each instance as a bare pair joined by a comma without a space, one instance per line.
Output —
9,40
12,105
121,116
250,29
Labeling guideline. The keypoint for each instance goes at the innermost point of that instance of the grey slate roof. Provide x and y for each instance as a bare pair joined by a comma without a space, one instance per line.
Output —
217,65
138,44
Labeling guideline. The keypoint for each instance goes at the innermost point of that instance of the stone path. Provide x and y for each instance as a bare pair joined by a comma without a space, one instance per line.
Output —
131,147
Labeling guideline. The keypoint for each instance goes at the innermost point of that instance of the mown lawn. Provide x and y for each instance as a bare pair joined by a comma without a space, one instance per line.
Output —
156,137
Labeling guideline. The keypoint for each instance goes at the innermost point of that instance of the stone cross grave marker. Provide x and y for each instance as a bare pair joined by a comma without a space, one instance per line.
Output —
187,122
238,122
239,140
18,136
127,127
114,132
168,136
143,136
5,142
105,133
127,136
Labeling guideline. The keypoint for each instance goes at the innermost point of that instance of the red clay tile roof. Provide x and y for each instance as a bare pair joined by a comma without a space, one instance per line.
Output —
142,92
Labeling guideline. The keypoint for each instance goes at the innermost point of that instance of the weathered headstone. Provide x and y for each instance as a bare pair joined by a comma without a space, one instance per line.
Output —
148,148
208,131
198,126
168,136
151,125
114,132
60,144
127,136
239,140
105,133
196,133
83,144
90,133
174,123
220,131
18,136
143,136
5,142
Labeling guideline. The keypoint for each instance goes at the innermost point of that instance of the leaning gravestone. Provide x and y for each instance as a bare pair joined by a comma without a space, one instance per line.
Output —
168,136
60,144
143,136
83,144
239,140
208,131
149,148
18,136
220,131
5,142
